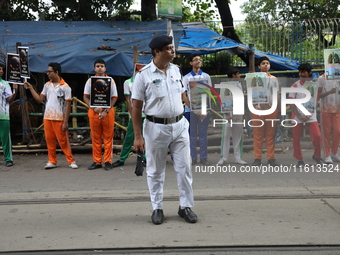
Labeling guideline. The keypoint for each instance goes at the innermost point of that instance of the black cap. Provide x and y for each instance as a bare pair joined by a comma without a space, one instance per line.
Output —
160,41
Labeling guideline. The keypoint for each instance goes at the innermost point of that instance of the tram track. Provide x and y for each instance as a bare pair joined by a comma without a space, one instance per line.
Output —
167,198
302,249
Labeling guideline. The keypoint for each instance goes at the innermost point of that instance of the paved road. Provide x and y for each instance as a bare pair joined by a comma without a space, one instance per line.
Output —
80,209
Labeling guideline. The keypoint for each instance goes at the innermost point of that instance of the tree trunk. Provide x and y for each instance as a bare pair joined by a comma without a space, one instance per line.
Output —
227,20
228,24
148,9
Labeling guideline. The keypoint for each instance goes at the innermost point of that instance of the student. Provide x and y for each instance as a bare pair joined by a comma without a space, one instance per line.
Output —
236,131
6,98
158,87
330,117
305,73
130,136
57,111
198,123
267,130
101,121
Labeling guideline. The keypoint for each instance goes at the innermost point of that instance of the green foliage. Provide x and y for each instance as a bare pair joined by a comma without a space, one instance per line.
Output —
277,10
194,10
85,10
303,27
66,10
11,10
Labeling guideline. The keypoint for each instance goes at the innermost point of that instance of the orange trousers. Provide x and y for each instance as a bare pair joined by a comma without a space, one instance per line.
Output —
102,129
267,132
330,121
53,131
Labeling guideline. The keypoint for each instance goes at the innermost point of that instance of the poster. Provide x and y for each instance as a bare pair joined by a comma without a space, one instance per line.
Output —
332,64
312,87
259,84
100,91
13,74
227,97
199,87
170,9
23,55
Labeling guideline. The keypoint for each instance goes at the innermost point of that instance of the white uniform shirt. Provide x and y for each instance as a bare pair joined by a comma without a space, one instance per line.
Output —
128,87
295,95
56,97
192,76
5,92
161,93
87,88
331,102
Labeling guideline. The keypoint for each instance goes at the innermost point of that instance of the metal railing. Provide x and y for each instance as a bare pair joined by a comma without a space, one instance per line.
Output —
302,40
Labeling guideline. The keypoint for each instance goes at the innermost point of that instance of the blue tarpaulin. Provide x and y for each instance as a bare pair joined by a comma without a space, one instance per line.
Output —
77,44
200,39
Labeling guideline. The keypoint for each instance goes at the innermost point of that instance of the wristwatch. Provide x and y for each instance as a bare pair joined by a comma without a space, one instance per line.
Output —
106,110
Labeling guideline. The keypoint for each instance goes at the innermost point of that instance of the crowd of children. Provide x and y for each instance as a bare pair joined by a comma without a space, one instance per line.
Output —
57,96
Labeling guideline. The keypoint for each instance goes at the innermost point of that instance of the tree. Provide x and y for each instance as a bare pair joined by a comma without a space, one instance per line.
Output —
284,11
195,10
66,10
18,10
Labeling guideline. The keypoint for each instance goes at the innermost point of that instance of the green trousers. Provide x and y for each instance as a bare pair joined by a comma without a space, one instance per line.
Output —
5,138
128,142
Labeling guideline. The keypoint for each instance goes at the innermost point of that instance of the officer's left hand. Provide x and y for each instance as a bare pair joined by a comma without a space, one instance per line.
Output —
139,144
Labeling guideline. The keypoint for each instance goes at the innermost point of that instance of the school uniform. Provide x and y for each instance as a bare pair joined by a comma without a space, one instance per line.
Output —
311,124
5,133
330,115
101,129
56,98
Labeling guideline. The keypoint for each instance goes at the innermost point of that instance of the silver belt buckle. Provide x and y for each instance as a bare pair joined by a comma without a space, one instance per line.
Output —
172,120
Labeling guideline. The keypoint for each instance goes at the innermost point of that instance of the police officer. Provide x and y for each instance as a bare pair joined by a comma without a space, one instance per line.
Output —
158,86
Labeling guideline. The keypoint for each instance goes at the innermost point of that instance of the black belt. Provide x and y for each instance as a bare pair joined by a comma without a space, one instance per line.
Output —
164,120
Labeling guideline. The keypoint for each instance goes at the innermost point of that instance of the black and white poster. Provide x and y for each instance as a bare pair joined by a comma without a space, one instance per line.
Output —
100,91
23,55
13,72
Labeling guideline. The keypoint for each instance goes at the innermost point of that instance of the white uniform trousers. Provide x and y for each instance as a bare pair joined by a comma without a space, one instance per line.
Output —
158,139
237,132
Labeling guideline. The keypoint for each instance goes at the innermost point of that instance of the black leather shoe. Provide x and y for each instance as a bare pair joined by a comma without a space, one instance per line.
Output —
272,162
187,214
257,162
157,217
94,166
318,160
108,166
117,163
300,163
9,163
204,162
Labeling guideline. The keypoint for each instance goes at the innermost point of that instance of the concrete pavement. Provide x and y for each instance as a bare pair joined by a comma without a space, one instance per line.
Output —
80,209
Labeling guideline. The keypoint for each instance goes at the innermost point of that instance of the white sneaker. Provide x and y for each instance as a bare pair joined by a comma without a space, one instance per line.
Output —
73,165
328,160
241,162
221,161
335,157
49,165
